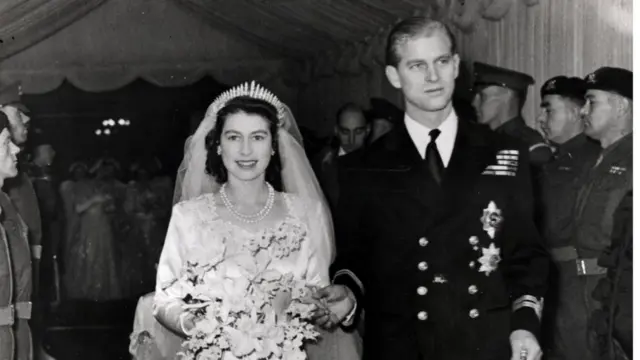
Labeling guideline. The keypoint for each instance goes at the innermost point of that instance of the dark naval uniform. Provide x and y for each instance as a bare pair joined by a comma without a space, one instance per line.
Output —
16,233
559,187
442,271
613,323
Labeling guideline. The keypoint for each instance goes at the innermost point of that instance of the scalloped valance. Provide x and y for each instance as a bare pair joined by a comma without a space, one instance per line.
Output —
106,78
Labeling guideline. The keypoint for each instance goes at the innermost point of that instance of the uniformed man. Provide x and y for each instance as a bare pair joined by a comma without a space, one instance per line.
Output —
51,210
434,229
561,121
20,189
613,323
500,96
15,262
608,119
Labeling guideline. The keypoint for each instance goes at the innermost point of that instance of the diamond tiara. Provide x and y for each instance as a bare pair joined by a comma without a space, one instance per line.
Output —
252,90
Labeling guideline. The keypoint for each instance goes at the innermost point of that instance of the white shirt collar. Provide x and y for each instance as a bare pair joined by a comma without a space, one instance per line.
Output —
341,151
445,141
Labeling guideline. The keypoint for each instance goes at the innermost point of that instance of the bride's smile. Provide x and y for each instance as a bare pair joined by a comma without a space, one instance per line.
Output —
246,146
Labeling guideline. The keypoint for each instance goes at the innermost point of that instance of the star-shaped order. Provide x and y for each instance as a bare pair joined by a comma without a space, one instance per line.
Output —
491,219
489,259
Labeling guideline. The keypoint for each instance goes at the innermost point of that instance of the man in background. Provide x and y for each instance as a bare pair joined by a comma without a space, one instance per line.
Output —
500,97
351,133
561,122
24,209
50,205
608,117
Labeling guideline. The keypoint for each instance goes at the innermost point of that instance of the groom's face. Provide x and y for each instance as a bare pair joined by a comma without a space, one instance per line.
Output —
426,72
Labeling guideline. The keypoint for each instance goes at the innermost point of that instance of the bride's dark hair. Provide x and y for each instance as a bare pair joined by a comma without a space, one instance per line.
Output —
244,104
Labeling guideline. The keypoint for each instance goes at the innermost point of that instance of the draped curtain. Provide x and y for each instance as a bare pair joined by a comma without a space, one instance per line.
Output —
125,40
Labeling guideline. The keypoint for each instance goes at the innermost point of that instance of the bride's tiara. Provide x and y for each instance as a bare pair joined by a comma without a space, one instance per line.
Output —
252,90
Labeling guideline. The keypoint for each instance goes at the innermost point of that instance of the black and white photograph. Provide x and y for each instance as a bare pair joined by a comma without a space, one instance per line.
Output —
316,179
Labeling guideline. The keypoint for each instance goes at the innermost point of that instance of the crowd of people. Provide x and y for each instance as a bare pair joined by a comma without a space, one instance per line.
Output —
454,238
84,237
113,231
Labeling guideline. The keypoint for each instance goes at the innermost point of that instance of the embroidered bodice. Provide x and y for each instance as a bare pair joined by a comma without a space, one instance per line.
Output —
198,234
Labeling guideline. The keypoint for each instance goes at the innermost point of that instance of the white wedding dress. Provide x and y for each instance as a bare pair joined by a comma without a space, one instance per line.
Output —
195,232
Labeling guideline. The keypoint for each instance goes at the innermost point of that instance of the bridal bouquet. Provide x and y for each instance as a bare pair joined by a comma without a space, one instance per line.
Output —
244,310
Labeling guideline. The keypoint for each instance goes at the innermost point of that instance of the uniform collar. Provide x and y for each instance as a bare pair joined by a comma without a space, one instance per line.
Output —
511,125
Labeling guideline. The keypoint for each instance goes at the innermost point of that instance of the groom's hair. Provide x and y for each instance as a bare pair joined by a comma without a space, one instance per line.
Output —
244,104
412,28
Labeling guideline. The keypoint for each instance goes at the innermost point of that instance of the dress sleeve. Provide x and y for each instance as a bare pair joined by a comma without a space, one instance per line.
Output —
167,306
321,244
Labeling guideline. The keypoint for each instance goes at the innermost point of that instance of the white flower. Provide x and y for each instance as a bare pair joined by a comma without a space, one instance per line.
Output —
242,343
490,259
243,309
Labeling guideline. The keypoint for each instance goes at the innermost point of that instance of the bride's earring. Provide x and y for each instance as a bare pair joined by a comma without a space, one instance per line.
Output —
273,152
219,151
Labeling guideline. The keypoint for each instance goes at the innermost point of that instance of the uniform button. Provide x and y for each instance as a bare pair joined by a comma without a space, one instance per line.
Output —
472,265
473,289
423,241
422,266
422,290
474,313
422,315
473,240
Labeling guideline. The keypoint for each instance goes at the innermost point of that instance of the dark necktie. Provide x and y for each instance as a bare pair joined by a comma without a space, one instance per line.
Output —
433,159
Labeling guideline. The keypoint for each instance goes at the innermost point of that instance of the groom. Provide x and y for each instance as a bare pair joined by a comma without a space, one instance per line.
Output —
435,232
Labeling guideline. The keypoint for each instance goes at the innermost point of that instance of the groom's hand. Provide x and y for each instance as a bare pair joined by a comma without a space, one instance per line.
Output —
339,302
524,346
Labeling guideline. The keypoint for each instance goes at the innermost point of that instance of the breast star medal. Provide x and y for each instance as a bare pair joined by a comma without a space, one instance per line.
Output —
489,259
491,219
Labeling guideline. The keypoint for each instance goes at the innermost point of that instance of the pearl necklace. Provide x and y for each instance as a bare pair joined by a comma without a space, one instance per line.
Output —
251,219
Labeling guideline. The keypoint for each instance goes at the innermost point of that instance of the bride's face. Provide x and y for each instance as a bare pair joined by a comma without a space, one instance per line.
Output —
246,146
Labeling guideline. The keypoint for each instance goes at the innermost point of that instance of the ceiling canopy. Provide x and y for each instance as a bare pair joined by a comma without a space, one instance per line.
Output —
101,45
303,28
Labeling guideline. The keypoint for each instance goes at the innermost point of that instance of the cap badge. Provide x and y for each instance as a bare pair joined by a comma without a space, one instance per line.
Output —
551,84
591,78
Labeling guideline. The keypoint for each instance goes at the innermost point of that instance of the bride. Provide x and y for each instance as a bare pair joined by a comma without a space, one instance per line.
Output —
244,176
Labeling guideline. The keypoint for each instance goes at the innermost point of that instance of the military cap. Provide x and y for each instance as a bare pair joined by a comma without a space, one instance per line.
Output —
488,75
10,95
611,79
382,108
570,87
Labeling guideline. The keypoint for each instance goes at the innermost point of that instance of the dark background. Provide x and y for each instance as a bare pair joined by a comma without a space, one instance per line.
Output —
68,117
